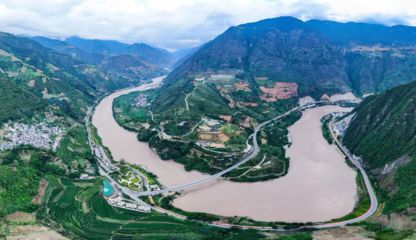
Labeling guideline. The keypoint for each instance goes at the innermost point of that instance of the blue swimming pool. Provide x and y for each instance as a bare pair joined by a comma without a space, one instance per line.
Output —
108,190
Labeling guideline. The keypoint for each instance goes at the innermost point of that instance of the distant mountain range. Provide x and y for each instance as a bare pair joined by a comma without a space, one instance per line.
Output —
320,56
95,50
138,60
48,72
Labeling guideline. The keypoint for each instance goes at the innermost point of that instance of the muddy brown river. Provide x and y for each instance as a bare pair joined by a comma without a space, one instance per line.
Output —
319,185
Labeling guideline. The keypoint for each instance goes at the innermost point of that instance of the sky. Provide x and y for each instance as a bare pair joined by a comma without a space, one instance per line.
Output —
180,24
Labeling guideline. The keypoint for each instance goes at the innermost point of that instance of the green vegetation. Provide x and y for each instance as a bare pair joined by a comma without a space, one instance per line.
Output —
272,161
75,151
363,203
404,196
297,236
18,185
42,75
16,102
325,129
211,135
386,233
132,115
127,177
381,137
384,137
383,134
84,214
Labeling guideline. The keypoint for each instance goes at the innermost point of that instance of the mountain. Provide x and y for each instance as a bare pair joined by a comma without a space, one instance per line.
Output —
364,33
130,66
156,56
152,55
384,128
319,56
110,56
69,49
53,77
182,55
17,102
383,133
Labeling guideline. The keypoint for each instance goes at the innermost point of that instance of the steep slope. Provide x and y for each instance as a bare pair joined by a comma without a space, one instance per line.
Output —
130,66
152,55
58,79
69,49
384,128
139,61
383,133
147,53
320,56
364,33
17,102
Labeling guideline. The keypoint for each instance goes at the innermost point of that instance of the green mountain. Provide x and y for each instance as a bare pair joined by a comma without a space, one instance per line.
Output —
320,56
135,63
69,49
147,53
17,102
383,133
253,72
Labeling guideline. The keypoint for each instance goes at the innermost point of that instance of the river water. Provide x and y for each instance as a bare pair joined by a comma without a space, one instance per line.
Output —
318,187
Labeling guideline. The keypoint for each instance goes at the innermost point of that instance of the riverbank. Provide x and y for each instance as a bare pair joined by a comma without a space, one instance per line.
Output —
267,201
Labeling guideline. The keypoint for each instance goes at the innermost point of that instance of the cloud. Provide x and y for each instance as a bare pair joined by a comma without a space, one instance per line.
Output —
182,23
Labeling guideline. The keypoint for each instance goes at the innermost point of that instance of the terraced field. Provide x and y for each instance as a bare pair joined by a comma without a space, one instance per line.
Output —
205,141
78,208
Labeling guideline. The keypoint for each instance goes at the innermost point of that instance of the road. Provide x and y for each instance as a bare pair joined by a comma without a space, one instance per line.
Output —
373,198
250,154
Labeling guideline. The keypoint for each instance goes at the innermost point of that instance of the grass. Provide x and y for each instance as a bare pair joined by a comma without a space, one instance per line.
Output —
74,150
363,203
179,122
64,208
405,195
18,185
16,102
326,132
386,233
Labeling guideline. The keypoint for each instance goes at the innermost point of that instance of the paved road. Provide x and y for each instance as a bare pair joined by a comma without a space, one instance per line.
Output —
373,207
370,190
254,150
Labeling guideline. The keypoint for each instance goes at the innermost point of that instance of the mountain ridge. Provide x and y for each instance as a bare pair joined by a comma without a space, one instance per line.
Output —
383,134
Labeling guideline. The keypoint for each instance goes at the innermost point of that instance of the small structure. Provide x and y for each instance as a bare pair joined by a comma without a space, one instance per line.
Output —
107,189
325,97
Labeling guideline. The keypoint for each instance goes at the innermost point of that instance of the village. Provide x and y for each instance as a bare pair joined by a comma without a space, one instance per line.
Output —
39,135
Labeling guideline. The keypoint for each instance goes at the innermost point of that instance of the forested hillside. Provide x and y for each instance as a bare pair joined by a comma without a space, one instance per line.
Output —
383,133
55,78
319,56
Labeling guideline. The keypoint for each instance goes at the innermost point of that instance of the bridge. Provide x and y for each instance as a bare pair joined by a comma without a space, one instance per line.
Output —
252,153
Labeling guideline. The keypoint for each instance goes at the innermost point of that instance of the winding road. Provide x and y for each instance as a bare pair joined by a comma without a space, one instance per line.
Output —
250,154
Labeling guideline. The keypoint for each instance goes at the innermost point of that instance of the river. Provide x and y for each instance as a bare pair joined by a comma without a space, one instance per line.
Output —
318,187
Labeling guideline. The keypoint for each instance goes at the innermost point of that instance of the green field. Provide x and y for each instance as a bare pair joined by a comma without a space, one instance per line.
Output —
182,147
83,214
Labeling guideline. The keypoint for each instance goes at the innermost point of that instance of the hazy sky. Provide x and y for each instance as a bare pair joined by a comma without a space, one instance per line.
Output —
177,24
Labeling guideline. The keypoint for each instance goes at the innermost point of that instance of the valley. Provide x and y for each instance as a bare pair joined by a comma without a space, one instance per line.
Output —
283,129
234,198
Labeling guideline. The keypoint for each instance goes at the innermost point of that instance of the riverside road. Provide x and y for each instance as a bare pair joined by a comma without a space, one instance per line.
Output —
253,152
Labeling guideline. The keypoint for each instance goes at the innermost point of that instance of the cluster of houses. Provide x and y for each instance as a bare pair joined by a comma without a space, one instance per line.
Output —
341,126
39,135
141,101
